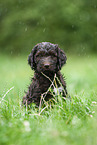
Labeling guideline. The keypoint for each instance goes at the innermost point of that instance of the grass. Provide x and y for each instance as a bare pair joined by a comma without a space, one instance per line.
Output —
70,122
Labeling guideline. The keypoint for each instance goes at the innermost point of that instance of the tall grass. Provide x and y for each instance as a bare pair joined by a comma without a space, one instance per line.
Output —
70,122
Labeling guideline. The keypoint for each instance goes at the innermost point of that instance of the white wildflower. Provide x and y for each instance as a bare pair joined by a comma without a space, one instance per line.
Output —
76,121
93,112
91,115
94,102
27,126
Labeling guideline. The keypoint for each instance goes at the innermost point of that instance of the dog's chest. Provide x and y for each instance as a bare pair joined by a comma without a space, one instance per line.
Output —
44,85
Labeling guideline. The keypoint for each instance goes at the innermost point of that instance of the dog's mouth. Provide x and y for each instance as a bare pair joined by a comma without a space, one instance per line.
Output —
46,69
47,72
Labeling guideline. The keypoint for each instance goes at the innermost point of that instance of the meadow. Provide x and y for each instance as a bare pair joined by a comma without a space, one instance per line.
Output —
70,122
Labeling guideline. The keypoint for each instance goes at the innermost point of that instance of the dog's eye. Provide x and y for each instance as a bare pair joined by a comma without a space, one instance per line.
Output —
53,54
39,55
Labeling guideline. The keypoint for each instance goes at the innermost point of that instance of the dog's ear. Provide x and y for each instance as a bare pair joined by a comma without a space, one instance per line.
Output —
31,60
61,57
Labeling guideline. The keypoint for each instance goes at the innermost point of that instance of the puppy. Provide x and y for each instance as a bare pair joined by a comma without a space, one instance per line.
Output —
46,59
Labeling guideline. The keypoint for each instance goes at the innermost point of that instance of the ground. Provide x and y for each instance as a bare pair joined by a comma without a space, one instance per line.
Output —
70,123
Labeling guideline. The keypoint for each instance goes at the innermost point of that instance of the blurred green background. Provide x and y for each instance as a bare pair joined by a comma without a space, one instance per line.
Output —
71,24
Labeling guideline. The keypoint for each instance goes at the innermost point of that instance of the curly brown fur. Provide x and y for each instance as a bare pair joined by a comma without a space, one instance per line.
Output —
45,58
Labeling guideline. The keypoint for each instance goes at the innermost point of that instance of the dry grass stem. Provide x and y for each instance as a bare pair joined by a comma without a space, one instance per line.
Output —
6,94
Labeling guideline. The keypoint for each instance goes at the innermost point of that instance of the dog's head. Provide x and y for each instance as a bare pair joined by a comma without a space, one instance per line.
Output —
46,57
